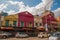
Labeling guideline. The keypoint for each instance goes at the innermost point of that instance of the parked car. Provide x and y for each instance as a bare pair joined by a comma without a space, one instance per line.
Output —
43,35
55,36
6,35
21,35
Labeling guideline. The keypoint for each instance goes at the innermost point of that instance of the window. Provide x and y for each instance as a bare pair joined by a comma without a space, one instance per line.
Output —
14,23
40,24
36,24
7,22
21,24
30,24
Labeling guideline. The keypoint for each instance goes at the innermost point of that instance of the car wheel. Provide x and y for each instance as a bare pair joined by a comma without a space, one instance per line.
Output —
4,37
42,36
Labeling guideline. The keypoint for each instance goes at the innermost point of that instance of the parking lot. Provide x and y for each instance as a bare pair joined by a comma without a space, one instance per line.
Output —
30,38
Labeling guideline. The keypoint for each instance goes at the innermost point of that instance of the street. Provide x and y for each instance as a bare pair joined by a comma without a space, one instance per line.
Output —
30,38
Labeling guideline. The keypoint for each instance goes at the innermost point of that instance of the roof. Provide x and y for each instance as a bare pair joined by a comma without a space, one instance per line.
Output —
47,12
25,13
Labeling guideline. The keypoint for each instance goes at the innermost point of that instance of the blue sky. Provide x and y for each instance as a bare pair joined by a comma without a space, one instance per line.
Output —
19,5
56,3
30,2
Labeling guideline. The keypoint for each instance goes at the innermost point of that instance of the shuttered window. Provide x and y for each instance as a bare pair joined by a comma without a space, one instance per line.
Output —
30,24
7,22
21,24
14,23
36,24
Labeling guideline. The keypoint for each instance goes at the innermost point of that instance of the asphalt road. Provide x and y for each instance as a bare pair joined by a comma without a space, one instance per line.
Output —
30,38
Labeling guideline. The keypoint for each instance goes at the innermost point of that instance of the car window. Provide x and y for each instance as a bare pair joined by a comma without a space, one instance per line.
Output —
21,33
56,34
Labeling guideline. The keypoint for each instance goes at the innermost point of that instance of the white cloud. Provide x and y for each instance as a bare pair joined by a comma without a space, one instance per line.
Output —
44,5
16,2
3,6
57,12
11,12
38,9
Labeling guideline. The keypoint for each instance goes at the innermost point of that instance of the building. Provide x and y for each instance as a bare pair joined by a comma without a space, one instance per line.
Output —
2,15
58,22
25,19
49,19
10,20
37,21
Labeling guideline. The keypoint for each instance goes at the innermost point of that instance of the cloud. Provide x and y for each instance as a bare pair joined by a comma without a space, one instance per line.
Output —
15,6
3,6
11,12
57,12
44,5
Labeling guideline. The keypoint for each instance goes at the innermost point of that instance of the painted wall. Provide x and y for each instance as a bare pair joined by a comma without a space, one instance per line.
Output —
11,18
48,17
37,20
27,18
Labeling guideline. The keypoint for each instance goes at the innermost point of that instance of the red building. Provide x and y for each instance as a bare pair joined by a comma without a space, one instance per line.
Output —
48,17
25,19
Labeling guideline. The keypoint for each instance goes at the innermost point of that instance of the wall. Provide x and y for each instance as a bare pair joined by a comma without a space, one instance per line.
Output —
48,17
26,17
11,18
38,20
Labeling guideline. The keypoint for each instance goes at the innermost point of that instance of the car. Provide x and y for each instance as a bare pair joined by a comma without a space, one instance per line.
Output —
55,36
21,35
6,35
43,35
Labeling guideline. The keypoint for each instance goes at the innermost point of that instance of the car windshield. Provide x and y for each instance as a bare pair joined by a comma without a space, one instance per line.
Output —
56,35
21,33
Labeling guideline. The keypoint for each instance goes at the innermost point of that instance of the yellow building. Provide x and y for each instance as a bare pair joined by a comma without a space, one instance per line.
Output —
10,20
37,21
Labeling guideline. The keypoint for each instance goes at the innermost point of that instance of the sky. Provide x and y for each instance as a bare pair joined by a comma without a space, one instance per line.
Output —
32,6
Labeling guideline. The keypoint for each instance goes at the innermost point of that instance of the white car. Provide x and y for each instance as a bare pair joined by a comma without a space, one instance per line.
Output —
55,36
21,35
43,35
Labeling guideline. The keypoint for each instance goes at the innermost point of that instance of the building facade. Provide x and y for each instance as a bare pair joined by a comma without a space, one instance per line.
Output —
37,21
25,19
49,19
10,20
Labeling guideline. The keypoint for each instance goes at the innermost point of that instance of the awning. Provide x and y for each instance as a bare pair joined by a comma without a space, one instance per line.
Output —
28,28
54,22
7,28
41,28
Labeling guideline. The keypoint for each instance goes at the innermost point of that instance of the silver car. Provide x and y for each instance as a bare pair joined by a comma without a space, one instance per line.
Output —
5,35
21,35
55,36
